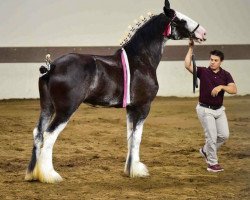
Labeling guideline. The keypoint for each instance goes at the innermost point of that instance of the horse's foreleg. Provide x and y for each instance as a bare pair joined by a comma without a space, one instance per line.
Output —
133,166
129,135
135,121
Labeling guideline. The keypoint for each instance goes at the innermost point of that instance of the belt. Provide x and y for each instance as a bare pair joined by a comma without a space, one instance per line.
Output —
208,106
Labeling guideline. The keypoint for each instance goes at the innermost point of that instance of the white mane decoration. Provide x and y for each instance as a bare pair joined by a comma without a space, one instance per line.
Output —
132,29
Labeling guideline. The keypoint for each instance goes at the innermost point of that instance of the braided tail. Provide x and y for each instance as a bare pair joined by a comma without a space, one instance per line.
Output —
45,69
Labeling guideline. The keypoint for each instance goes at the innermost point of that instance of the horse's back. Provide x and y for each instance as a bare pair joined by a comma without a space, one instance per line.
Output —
93,79
73,60
86,62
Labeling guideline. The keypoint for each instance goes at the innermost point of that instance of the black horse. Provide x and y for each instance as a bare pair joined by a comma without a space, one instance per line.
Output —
98,80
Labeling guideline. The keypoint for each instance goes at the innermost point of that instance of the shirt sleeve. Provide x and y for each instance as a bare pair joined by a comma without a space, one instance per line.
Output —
229,78
199,71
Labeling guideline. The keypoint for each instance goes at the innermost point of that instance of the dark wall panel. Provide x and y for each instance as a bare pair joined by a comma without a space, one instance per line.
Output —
171,53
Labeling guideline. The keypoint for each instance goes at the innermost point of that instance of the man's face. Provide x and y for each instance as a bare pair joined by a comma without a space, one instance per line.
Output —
215,62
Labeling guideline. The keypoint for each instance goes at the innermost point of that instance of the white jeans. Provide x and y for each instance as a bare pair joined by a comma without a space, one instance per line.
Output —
215,125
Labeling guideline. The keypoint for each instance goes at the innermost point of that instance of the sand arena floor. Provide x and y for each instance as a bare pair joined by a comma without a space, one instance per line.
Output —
90,154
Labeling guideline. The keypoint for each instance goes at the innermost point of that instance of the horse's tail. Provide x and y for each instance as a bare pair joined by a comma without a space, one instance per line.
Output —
45,69
45,98
46,104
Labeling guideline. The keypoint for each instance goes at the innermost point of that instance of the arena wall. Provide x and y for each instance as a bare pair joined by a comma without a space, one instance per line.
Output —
94,23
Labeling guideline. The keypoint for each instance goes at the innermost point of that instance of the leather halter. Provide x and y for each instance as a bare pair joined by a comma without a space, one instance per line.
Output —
168,28
192,33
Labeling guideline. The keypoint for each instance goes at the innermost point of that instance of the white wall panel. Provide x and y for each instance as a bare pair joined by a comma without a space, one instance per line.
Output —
21,80
102,23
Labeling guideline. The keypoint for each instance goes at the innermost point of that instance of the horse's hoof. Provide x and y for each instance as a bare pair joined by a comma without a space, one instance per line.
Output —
138,169
43,175
29,176
126,169
50,177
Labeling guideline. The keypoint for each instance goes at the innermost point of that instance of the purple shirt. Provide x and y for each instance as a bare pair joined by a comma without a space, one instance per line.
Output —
208,81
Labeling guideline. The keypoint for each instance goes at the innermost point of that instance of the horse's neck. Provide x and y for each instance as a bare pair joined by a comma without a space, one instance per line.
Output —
147,46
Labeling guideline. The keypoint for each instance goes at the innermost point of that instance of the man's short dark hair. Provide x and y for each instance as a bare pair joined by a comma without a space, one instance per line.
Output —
217,53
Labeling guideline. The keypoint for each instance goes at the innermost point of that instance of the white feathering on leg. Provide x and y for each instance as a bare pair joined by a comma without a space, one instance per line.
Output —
44,169
137,168
129,134
32,175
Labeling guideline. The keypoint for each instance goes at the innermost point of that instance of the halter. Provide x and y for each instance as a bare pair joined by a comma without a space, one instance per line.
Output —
192,33
167,31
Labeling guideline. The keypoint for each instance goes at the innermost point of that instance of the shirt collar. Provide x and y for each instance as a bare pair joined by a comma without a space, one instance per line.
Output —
220,70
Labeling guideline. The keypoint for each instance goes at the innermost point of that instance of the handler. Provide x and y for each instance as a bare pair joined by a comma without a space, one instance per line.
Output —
214,82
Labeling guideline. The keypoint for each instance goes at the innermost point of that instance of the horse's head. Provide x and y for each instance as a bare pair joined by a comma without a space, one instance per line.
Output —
182,27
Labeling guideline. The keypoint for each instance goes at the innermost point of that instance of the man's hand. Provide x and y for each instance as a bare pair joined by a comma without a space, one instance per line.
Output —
230,89
191,43
216,90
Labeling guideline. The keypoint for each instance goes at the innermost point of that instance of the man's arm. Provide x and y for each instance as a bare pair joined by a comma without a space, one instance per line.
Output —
188,58
230,89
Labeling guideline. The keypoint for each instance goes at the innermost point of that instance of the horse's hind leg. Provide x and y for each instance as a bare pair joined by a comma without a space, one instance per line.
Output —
135,120
45,169
47,112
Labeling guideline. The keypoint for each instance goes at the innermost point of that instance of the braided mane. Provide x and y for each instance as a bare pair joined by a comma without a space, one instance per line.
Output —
133,29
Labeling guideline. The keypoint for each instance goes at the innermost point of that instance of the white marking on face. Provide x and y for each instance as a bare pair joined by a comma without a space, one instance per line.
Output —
200,33
191,24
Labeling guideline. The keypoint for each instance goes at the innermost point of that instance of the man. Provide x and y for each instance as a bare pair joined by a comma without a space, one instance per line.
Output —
214,82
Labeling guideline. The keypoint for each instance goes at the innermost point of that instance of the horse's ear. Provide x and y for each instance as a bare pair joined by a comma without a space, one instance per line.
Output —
167,4
169,12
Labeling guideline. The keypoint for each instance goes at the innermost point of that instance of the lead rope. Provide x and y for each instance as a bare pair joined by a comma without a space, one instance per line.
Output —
195,83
